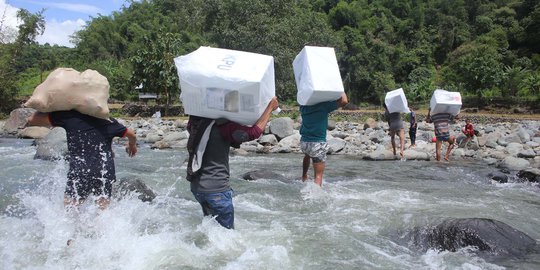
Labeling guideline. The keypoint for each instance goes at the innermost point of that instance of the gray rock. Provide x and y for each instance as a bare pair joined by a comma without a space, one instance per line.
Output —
17,120
179,144
53,146
160,145
331,124
335,145
152,138
523,135
269,139
514,148
380,154
289,142
513,163
263,174
34,132
531,175
126,187
488,236
371,123
498,176
529,153
282,127
416,155
175,136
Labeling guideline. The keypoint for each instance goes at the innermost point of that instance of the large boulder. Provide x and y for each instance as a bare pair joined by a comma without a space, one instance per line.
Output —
498,176
53,146
17,120
282,127
487,235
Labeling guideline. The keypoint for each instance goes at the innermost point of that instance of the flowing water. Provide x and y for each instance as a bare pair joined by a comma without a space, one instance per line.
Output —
348,224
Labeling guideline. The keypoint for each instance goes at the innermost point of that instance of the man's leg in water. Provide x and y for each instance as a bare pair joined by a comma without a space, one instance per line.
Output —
305,167
319,171
438,146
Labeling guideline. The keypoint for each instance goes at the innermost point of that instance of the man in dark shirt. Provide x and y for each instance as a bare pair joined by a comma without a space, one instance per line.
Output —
209,176
91,163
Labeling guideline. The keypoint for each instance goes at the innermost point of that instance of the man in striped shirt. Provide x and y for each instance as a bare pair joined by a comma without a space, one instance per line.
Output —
442,133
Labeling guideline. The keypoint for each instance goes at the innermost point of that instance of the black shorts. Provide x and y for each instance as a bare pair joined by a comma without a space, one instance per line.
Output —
82,187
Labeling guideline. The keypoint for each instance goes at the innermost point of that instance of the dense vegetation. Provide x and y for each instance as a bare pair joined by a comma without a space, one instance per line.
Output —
480,48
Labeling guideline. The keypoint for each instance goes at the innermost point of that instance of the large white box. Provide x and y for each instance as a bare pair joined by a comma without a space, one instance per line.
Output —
443,101
317,76
221,83
396,101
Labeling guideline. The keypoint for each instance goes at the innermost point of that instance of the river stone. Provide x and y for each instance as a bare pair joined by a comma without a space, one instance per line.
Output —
127,186
269,139
160,145
514,148
292,141
53,146
175,136
282,127
529,153
487,235
498,176
513,163
263,174
152,138
17,120
380,154
416,155
34,132
523,135
331,124
370,123
335,145
531,175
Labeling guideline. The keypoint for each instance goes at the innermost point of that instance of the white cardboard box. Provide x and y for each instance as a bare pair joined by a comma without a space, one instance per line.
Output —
220,83
317,76
396,101
443,101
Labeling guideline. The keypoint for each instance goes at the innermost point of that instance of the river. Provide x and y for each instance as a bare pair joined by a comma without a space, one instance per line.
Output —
350,223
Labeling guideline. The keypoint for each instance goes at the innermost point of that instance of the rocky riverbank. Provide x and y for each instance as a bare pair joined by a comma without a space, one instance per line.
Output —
509,145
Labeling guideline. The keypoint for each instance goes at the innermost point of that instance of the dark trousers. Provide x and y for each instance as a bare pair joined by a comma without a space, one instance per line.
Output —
412,135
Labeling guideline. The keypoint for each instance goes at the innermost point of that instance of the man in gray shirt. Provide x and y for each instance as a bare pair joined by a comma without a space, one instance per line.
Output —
209,174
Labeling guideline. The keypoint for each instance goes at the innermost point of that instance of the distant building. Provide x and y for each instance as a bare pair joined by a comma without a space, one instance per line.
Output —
145,96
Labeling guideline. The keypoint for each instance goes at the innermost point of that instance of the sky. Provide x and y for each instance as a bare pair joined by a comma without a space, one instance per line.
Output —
62,17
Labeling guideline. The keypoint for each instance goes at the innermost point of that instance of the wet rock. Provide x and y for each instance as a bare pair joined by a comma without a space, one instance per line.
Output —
34,132
263,174
487,235
269,139
335,145
53,146
498,176
531,175
127,186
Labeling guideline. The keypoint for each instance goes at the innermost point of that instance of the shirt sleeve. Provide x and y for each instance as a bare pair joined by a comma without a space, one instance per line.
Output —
331,106
234,132
116,129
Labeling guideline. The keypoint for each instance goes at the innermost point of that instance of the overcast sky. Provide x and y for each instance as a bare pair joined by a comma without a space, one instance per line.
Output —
62,17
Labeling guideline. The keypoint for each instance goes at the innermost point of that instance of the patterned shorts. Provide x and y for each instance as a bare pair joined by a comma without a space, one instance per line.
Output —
315,150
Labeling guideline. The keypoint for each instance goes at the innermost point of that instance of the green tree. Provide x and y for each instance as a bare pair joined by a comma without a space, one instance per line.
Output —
154,67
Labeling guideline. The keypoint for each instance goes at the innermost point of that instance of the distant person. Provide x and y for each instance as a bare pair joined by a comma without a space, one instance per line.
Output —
395,127
412,128
208,163
468,130
313,135
90,155
442,133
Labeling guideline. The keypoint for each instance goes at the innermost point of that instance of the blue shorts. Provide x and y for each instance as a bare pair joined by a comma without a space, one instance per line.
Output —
443,138
219,205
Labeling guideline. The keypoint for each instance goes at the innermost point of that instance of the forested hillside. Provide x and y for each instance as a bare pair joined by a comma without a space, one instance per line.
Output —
477,47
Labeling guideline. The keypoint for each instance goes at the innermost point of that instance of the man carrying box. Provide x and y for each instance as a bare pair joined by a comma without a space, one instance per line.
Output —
313,132
208,167
442,133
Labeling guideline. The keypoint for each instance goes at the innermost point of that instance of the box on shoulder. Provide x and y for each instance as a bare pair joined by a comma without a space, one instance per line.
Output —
396,101
443,101
317,76
221,83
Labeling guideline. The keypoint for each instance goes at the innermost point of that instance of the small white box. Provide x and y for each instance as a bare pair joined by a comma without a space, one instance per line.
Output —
220,83
443,101
317,76
396,101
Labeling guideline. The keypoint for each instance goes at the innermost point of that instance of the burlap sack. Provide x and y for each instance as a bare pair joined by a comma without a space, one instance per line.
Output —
67,89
